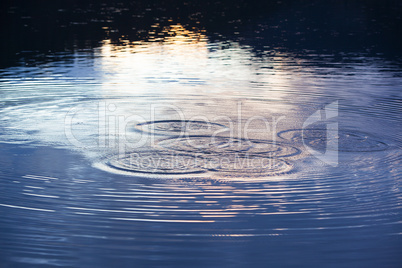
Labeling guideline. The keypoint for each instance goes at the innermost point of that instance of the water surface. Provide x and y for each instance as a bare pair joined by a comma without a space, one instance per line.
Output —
135,153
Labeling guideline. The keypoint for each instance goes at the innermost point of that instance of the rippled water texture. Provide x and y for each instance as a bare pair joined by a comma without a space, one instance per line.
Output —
187,148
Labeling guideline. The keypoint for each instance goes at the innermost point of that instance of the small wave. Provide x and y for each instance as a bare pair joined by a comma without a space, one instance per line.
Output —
334,140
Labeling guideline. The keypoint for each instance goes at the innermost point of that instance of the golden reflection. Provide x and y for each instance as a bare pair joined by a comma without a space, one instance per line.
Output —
176,34
162,35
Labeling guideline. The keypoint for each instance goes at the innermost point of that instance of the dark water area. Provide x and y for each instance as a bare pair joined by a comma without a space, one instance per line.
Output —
335,27
202,134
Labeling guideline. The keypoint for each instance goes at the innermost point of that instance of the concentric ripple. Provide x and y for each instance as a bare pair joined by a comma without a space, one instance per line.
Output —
157,163
178,127
224,145
171,164
341,140
205,144
272,149
246,166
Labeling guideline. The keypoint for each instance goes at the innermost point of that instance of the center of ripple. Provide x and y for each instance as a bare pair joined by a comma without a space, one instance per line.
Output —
178,127
225,145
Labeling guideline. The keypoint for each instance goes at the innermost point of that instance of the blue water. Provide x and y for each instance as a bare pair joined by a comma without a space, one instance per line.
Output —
189,149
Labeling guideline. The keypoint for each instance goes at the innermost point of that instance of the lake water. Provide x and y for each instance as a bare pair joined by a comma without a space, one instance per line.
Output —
202,146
